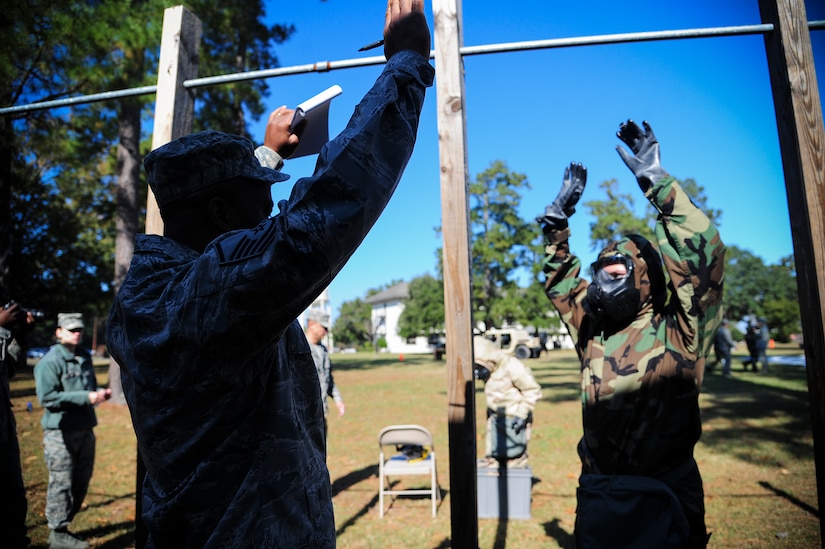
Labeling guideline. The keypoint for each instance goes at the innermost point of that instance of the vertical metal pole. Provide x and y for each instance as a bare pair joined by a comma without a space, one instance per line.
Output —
802,144
452,147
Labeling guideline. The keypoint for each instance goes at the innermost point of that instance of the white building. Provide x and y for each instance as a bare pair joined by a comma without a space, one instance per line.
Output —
387,307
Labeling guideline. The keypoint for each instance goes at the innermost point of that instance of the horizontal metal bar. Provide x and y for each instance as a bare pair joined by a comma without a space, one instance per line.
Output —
618,39
320,66
325,66
80,100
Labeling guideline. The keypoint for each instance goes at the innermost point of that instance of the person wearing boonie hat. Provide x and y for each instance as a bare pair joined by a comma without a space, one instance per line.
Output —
643,327
216,370
67,390
317,327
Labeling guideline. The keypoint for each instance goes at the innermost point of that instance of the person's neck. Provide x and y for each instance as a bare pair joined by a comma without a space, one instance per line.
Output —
71,347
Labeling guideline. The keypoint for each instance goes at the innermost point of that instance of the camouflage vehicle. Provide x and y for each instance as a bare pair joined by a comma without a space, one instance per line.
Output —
516,341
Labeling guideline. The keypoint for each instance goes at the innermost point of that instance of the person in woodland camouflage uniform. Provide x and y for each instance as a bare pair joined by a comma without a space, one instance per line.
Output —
68,391
217,372
317,328
15,324
512,393
643,340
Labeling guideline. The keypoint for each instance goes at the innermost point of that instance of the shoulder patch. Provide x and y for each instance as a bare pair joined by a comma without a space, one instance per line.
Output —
244,245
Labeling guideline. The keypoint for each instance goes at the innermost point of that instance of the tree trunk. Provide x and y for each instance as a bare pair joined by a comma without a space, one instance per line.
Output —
5,205
128,179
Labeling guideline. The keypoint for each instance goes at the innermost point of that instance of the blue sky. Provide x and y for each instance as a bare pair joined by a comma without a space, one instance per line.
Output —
708,100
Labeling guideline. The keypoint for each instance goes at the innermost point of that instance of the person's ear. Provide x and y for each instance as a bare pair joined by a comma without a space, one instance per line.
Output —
220,213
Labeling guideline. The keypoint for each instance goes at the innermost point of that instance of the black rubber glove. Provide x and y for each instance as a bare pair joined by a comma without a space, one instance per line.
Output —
518,424
480,372
645,165
572,186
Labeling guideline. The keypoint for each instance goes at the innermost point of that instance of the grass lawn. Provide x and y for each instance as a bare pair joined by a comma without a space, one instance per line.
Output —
756,458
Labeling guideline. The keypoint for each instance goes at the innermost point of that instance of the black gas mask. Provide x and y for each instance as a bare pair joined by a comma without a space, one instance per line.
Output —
481,372
609,296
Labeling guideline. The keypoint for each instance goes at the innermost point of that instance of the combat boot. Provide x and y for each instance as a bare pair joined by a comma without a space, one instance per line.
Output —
62,539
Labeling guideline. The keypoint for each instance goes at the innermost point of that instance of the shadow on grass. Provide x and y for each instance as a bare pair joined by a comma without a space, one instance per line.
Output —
749,416
554,530
790,497
352,478
123,540
354,518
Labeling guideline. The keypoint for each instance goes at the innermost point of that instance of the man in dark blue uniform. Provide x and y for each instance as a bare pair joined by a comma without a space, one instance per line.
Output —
217,372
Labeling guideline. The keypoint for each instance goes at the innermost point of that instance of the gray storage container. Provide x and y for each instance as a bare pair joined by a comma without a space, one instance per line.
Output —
517,483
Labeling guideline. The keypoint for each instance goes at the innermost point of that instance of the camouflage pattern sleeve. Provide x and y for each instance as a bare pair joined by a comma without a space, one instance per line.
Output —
694,258
563,286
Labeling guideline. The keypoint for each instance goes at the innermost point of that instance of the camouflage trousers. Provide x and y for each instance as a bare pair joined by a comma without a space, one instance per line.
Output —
70,457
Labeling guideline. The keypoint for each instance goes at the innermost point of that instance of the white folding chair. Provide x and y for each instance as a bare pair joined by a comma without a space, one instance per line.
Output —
398,464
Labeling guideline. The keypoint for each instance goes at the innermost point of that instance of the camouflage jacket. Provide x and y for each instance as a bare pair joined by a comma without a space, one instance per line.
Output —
512,388
217,372
63,380
323,366
12,358
640,382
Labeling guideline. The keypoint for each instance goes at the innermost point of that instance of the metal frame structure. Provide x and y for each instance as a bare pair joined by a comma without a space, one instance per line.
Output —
801,137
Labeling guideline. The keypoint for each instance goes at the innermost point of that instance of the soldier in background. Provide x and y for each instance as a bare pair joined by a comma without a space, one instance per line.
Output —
643,342
317,328
723,345
68,391
512,393
751,334
763,339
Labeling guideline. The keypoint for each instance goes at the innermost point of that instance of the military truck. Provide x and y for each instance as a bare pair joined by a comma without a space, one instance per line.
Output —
516,341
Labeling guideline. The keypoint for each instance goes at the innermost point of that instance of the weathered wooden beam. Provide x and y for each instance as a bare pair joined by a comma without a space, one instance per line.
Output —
802,145
455,223
174,104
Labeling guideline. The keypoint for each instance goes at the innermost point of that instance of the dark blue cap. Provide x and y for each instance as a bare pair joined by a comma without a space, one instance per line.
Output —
199,160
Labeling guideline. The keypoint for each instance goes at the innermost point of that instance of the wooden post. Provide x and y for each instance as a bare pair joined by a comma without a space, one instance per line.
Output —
455,222
174,113
174,104
802,144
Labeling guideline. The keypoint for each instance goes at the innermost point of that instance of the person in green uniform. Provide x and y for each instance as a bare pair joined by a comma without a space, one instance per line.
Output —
643,327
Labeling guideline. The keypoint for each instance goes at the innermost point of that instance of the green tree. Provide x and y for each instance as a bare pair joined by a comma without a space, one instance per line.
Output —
765,291
67,155
57,208
353,326
235,40
424,309
500,242
531,305
616,215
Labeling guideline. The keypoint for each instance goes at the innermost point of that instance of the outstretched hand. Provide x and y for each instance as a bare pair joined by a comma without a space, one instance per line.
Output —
279,136
572,187
645,165
405,28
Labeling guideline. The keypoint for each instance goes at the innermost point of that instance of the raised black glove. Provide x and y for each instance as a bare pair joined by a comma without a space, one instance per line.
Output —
518,424
645,165
572,186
